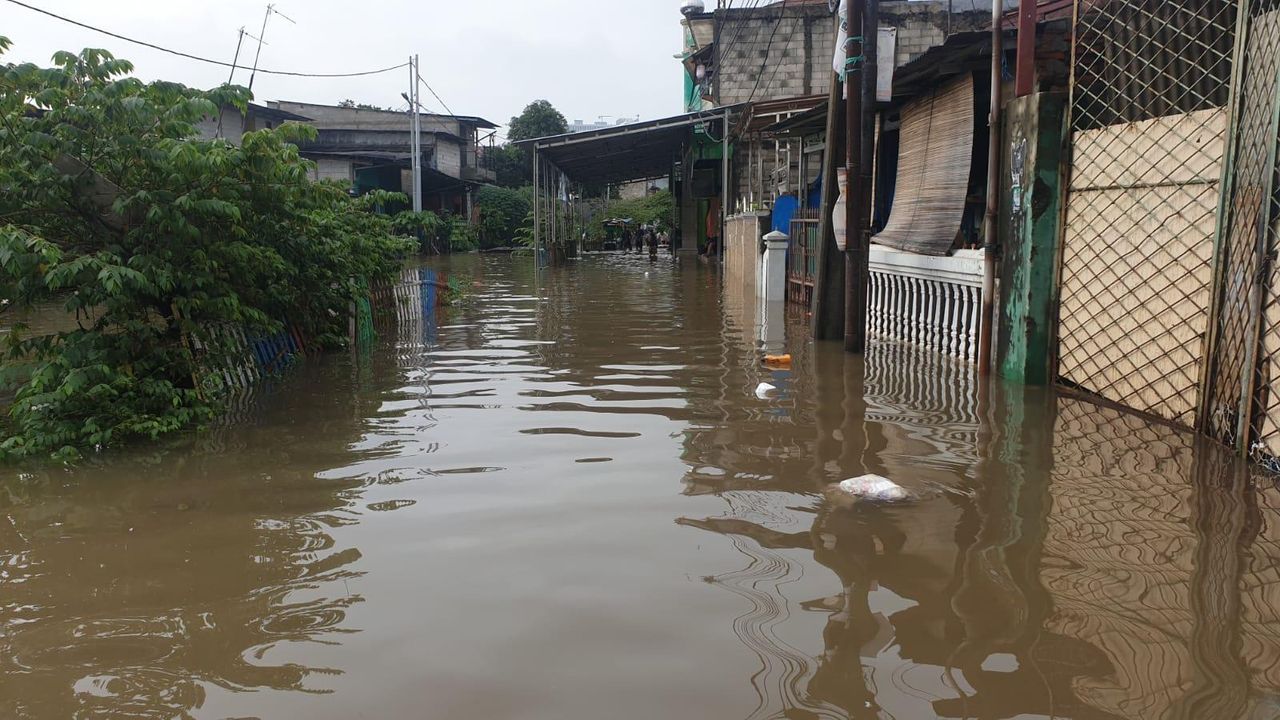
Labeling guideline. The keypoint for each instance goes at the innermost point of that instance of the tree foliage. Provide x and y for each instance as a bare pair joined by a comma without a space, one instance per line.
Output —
112,209
426,227
653,209
539,119
502,213
512,165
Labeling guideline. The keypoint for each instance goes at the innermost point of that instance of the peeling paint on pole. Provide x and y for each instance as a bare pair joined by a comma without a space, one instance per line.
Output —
1030,215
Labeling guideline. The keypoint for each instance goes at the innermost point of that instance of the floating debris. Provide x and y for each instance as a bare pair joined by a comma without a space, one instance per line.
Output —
780,362
874,488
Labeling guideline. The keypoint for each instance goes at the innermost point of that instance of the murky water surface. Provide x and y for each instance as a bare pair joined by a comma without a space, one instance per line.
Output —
565,500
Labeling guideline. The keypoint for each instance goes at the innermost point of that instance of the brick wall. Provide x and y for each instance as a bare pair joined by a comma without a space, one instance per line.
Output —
448,157
773,52
778,52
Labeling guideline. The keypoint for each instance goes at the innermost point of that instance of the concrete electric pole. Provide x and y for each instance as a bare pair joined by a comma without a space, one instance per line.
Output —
415,134
860,126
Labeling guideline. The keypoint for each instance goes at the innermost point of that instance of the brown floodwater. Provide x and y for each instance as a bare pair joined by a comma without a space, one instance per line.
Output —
563,499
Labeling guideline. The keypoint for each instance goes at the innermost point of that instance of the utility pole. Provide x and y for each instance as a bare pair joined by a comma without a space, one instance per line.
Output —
1026,78
828,282
866,167
724,188
417,140
855,261
992,232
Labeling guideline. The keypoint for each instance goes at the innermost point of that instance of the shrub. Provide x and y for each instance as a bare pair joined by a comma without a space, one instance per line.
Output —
111,205
502,213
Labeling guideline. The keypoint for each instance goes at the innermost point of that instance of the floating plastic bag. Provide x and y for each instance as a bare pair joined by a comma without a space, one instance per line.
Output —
874,488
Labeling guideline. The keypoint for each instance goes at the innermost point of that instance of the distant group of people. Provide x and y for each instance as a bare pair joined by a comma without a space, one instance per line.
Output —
645,236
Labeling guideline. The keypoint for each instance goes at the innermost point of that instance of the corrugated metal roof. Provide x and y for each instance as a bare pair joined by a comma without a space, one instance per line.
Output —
637,151
276,113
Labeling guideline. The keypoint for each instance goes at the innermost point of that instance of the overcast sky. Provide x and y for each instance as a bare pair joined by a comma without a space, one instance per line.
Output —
484,57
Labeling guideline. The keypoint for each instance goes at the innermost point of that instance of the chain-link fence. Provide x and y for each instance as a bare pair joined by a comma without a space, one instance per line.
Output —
1151,85
1170,299
1243,402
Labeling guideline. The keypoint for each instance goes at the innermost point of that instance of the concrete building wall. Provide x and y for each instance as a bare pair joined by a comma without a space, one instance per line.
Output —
742,250
331,117
232,126
641,188
774,52
448,157
333,169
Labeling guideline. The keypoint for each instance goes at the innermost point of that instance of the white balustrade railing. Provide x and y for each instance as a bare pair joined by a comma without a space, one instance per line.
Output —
932,302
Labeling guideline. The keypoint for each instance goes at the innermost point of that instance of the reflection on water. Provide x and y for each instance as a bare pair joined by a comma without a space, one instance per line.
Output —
563,499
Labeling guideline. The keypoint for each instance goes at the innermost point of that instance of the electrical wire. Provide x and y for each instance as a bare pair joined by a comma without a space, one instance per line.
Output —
768,49
746,11
437,97
726,46
189,56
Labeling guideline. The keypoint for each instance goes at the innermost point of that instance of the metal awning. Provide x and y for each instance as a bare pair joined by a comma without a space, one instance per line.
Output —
962,54
809,122
638,151
619,154
761,116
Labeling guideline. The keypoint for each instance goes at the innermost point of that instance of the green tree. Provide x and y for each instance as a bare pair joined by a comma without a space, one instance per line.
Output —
502,212
653,209
539,119
154,239
426,227
512,165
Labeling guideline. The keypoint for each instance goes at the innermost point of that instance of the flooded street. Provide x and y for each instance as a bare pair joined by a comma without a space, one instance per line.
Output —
563,499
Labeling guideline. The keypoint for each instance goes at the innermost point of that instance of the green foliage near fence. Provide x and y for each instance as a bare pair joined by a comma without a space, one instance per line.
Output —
503,212
110,204
653,209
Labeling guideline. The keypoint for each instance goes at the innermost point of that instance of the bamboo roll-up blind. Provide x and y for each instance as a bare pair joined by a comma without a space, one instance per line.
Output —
936,152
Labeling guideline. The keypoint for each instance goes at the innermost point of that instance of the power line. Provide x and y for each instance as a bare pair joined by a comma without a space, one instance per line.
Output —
726,46
768,49
437,97
189,56
725,62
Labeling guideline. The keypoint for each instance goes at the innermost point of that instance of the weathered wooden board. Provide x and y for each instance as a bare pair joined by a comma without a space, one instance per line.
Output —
1136,267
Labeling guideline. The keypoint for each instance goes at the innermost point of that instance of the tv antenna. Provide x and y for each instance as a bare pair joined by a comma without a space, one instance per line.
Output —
239,42
271,10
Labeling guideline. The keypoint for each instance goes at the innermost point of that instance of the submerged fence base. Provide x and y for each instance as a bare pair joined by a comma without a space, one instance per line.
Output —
230,360
407,306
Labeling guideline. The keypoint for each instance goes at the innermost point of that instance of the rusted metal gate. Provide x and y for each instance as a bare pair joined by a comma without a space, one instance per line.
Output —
1151,84
802,259
1242,399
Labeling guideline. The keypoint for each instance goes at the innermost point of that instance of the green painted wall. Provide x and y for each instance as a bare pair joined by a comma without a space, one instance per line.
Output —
1031,211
